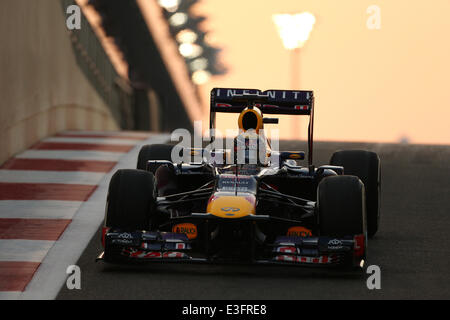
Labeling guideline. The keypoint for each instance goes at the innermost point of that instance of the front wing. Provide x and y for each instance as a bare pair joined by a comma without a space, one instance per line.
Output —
154,246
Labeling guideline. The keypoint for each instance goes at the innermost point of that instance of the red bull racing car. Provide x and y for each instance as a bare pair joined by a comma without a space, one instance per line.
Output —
248,203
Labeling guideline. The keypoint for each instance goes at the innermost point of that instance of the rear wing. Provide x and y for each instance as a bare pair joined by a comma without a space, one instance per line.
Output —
293,102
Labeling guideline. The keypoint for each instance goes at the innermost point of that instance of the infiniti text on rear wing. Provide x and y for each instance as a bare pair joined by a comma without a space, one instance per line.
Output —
293,102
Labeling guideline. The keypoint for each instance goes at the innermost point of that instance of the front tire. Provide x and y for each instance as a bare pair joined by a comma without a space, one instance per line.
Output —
366,166
341,206
130,201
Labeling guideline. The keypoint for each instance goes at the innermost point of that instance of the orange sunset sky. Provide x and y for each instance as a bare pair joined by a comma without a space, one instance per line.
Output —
382,85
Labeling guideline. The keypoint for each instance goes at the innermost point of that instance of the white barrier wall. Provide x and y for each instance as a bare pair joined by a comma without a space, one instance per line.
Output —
42,89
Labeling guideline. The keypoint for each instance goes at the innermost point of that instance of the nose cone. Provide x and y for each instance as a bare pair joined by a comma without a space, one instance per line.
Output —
231,206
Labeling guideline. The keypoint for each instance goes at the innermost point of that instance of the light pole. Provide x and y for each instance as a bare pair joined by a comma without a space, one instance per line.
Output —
294,31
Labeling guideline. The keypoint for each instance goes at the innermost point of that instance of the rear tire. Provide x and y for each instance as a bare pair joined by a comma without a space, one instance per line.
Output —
341,206
130,200
154,152
366,166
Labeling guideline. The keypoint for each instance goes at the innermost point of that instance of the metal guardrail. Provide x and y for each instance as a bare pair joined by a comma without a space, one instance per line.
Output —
99,71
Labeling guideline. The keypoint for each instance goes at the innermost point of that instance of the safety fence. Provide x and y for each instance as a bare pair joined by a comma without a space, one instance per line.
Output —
100,72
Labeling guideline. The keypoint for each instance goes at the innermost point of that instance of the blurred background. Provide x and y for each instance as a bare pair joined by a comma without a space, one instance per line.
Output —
380,69
380,85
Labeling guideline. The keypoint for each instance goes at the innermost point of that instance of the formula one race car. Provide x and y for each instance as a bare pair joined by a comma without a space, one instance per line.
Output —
247,203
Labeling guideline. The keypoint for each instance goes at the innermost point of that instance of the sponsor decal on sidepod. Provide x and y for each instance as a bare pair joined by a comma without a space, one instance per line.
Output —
187,228
298,231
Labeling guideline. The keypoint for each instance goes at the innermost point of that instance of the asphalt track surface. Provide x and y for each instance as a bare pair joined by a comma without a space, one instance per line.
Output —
412,247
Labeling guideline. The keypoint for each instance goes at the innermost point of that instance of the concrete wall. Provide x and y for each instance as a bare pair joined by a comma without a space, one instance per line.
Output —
42,90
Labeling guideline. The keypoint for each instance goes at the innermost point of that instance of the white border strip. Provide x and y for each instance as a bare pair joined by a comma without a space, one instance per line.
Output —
10,295
38,209
51,275
60,177
24,250
106,141
110,133
71,155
